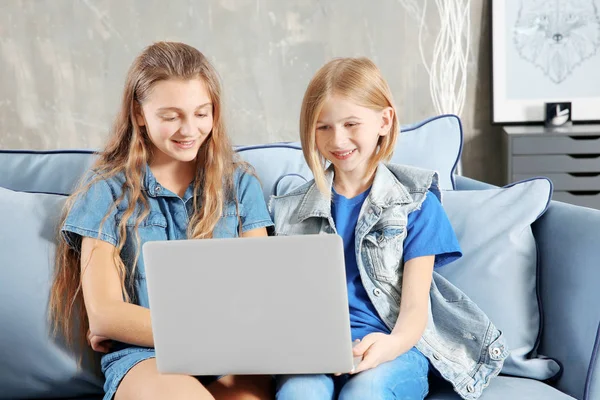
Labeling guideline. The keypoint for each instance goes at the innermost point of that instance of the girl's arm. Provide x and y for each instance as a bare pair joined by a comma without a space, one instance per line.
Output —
377,348
430,240
255,232
109,315
414,307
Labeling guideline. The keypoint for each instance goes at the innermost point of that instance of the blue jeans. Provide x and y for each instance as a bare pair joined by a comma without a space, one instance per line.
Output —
403,378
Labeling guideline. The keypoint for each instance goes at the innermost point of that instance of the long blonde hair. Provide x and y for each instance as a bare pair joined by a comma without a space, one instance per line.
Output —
127,152
359,80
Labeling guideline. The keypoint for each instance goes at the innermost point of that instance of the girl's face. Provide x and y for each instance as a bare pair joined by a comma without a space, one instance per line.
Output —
178,116
347,134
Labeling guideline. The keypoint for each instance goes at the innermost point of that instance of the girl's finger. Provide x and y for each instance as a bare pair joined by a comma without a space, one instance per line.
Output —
362,366
100,348
362,347
367,362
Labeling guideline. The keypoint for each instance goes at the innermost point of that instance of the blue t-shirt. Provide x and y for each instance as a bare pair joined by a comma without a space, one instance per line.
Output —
429,232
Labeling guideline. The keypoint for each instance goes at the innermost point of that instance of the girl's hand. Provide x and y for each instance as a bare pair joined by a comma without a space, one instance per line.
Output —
375,349
99,343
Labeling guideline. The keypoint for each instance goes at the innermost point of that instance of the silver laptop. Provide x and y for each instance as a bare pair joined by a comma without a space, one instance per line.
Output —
271,305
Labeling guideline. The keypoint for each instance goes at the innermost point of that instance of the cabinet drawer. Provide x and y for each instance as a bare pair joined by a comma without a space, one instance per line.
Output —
556,163
556,145
576,181
584,199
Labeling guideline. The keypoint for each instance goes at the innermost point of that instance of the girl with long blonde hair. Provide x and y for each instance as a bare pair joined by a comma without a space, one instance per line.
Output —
168,172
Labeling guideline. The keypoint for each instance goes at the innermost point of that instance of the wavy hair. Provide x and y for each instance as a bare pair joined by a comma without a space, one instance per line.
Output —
127,152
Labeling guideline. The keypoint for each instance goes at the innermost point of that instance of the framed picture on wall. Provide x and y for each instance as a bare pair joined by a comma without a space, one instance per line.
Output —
545,52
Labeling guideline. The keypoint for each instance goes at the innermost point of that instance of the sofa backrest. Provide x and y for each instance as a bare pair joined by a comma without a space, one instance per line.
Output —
435,144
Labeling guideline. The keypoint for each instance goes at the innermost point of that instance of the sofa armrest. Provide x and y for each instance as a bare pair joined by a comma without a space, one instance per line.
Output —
592,386
568,239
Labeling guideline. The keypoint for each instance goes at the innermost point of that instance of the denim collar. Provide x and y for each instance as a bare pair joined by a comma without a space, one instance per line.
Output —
149,183
155,189
385,191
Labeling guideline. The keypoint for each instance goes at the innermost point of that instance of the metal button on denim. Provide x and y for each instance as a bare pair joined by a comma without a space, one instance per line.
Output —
496,352
377,292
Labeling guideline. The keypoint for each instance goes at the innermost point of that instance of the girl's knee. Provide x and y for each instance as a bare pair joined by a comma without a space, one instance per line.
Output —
143,381
252,387
301,387
366,386
384,384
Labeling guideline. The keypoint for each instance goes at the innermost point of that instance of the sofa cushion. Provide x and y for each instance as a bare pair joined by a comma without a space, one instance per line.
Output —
504,387
435,143
33,363
272,162
55,171
499,267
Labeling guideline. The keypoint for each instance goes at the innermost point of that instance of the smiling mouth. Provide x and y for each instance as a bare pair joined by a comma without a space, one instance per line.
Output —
185,144
343,155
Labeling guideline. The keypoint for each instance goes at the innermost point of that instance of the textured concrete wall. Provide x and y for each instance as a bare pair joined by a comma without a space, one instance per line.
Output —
63,63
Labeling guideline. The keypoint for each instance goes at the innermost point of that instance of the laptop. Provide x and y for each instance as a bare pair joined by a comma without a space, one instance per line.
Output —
268,305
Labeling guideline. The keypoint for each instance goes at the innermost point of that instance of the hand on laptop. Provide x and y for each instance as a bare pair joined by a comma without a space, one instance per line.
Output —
357,359
375,349
99,343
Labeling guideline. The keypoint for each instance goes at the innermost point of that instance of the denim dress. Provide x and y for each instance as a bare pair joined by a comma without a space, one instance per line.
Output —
168,220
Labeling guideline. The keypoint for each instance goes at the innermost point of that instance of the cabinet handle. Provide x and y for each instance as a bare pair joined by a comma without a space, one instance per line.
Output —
585,137
584,174
584,192
584,156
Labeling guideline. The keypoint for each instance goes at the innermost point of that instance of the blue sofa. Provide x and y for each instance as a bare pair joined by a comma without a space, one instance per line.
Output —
34,364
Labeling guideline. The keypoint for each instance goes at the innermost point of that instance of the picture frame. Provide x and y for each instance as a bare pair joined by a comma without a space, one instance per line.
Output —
545,52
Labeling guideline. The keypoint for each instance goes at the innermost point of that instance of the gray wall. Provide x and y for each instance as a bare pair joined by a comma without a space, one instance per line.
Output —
63,63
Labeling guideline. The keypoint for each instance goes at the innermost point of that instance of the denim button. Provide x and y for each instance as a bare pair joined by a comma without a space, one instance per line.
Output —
157,189
377,292
436,356
496,352
470,388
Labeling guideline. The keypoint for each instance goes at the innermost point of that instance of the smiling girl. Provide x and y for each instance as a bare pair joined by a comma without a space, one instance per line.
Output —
168,172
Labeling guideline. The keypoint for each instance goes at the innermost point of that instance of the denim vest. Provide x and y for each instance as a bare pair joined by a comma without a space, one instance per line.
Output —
460,341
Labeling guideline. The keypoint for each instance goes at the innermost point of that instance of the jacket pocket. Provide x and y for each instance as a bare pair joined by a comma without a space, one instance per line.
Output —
228,225
152,228
384,247
154,218
230,210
